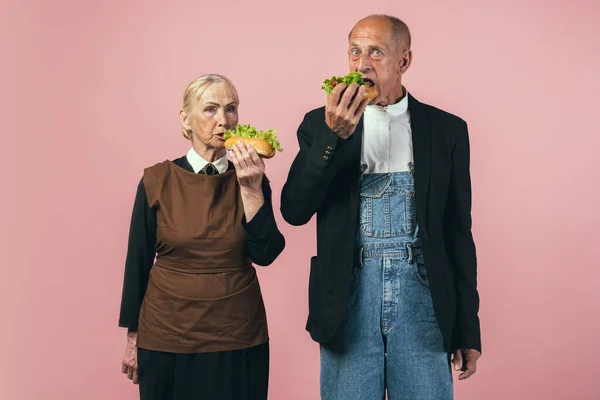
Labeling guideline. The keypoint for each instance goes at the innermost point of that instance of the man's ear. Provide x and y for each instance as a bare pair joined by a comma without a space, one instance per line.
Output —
406,60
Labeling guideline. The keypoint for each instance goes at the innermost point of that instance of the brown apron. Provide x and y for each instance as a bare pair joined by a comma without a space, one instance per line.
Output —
203,294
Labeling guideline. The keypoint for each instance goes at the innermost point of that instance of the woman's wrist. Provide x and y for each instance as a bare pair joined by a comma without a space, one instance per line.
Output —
132,337
254,193
253,200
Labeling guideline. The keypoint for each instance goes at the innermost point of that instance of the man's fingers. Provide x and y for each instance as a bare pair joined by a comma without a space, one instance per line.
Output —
347,96
136,377
360,110
130,373
467,374
334,97
468,359
471,365
124,367
457,360
358,100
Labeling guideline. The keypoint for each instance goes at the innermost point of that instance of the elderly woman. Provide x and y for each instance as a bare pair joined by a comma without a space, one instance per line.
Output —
196,321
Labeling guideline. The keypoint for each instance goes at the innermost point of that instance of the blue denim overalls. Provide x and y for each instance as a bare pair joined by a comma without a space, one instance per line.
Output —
391,336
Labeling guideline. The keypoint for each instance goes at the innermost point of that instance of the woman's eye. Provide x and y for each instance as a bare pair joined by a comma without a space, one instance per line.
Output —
210,109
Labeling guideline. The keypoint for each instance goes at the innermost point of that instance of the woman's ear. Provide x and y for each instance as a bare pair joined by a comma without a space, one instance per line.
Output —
185,120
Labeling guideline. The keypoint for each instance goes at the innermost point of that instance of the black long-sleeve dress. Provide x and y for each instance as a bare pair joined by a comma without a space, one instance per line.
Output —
240,373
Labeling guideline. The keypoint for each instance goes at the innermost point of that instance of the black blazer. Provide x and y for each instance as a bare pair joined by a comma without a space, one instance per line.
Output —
324,179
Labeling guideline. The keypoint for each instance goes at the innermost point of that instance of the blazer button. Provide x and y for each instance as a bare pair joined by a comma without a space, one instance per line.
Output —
327,152
325,158
329,148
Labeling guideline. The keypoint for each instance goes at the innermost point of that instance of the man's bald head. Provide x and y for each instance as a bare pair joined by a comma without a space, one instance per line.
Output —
379,48
398,29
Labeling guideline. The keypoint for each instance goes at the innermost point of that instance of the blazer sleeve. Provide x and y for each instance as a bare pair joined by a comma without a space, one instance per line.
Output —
460,245
264,241
311,172
140,258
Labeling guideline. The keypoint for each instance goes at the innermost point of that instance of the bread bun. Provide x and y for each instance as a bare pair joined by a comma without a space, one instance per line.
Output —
370,94
263,148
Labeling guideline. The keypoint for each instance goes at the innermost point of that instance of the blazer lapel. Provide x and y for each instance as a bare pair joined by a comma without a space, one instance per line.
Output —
421,136
356,145
354,150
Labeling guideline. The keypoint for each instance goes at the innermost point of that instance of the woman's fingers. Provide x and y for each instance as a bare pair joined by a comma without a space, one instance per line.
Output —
136,378
239,149
130,371
234,159
256,160
243,149
245,156
248,164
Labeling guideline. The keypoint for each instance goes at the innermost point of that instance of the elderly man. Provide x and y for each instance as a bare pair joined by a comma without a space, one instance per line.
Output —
393,295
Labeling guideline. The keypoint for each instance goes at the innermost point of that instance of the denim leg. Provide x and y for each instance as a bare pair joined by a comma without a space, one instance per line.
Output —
357,373
417,366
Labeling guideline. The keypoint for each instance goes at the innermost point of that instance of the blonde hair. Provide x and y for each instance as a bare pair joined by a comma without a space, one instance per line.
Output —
196,89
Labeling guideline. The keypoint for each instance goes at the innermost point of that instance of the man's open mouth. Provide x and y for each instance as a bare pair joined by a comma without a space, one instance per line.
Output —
369,82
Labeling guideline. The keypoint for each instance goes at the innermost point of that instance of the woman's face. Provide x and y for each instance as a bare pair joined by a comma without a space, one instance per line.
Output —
215,112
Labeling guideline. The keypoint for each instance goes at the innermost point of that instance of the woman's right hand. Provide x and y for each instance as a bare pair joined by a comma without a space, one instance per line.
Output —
130,365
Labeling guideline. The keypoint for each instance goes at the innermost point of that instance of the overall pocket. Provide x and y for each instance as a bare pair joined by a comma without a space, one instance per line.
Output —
386,211
421,270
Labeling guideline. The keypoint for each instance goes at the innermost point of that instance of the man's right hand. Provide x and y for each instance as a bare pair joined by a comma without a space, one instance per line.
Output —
342,115
129,365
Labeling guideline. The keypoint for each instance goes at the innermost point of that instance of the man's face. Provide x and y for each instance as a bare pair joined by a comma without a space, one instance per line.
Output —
382,62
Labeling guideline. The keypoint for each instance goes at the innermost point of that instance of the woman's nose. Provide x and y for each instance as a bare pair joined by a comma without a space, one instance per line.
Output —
221,118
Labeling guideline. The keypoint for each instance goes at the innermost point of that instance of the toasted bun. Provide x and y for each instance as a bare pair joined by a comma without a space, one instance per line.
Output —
370,94
263,148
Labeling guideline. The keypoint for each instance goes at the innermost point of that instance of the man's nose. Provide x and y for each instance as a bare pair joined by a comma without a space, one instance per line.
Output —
364,64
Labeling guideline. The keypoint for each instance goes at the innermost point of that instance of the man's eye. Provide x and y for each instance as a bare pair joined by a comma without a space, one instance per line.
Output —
355,52
377,52
231,109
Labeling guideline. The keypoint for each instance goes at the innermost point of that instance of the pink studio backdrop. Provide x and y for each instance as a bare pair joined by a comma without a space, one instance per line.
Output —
90,96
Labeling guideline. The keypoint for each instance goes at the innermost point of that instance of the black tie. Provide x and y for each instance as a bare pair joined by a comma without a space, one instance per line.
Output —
209,169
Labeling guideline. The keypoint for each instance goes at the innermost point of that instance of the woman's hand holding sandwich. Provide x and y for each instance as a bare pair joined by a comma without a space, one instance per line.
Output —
250,169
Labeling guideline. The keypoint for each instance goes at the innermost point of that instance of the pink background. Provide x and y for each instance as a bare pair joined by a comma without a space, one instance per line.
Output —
90,96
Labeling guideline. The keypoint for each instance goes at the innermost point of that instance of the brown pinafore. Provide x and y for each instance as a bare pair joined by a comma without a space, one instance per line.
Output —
203,293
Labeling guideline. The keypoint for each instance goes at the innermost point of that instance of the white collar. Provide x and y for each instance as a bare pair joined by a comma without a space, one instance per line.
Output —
198,162
393,109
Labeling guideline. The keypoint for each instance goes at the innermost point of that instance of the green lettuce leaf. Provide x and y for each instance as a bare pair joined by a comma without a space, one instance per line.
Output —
328,84
248,131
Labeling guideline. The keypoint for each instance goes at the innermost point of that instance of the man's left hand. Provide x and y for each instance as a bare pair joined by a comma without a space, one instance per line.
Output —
465,360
